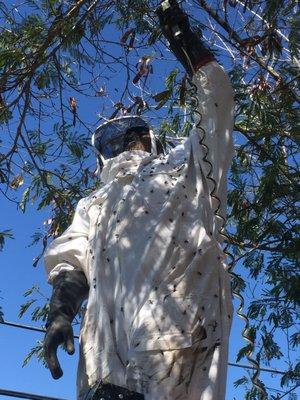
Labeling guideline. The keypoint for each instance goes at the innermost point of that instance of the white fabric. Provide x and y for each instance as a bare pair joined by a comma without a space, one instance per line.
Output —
159,309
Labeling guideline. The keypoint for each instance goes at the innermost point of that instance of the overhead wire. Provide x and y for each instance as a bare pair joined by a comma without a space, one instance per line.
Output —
35,329
27,327
23,395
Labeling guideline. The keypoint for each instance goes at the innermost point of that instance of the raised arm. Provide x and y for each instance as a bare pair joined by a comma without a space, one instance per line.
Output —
211,139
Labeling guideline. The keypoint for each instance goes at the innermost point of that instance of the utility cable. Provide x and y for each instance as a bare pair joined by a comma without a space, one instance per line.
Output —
27,327
23,395
231,364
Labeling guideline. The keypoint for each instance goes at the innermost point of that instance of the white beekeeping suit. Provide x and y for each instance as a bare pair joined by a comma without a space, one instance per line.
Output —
159,308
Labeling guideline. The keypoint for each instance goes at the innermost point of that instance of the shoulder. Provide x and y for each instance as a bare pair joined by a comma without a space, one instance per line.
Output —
167,164
94,197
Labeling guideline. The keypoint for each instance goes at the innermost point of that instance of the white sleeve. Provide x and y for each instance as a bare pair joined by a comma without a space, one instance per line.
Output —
69,251
216,117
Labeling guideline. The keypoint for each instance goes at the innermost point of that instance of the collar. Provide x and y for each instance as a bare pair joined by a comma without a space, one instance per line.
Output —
127,162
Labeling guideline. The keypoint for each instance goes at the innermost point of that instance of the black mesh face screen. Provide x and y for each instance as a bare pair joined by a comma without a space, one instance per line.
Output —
111,138
135,134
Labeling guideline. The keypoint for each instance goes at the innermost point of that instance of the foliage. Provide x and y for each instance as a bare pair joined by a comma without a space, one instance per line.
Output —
59,60
4,235
38,352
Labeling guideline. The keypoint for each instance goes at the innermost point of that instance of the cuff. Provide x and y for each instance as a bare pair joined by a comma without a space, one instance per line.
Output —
205,60
58,269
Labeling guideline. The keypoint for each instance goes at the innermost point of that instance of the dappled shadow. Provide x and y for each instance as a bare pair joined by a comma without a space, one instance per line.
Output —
155,299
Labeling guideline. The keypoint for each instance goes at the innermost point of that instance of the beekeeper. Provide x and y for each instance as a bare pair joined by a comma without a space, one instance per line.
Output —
144,250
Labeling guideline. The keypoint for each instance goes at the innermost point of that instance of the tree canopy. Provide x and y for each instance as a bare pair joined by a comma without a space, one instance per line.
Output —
59,63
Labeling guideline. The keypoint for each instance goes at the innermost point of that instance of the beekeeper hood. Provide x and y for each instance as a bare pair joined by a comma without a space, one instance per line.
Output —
113,137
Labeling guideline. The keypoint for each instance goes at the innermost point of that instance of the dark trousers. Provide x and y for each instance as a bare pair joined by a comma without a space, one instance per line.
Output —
108,391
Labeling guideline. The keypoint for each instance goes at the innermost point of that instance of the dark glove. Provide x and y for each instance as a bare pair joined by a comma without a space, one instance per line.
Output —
70,288
184,43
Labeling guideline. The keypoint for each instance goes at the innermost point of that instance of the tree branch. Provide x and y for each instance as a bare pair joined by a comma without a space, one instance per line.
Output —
232,33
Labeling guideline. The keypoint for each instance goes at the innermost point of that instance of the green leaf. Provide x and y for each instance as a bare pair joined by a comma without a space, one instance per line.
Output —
295,339
24,307
171,79
243,352
5,113
162,98
240,381
30,291
46,200
38,352
162,95
256,309
3,236
76,149
25,198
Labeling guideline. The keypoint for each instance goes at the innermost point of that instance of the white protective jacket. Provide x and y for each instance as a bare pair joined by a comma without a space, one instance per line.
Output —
159,309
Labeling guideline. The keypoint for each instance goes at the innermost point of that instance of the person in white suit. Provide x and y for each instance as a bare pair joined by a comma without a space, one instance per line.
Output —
145,251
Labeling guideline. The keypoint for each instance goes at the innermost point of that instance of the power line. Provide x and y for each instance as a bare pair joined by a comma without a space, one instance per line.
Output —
22,395
30,328
272,371
27,327
244,366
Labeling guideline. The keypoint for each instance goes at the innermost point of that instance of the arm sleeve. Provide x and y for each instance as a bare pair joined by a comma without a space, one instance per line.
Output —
69,251
215,118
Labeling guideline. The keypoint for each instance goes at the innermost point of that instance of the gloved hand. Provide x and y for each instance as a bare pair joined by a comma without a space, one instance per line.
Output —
184,43
70,289
59,332
173,21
